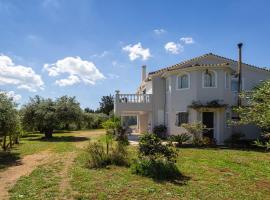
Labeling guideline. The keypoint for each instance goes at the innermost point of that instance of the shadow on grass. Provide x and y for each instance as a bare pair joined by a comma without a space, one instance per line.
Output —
8,159
178,180
223,147
60,139
159,171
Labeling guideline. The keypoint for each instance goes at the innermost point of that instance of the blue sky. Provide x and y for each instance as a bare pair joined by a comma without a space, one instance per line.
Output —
90,48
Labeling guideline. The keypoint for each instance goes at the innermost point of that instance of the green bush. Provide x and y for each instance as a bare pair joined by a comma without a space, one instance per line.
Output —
150,147
180,139
155,160
93,120
100,157
158,169
160,131
196,130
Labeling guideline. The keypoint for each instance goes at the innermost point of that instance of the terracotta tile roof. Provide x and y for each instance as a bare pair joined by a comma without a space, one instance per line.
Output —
183,65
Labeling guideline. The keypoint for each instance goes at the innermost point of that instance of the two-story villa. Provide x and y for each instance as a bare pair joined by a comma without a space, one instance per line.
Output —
203,89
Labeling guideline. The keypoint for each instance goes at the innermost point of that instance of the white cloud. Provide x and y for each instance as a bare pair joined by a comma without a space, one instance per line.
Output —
12,95
71,80
159,31
21,76
137,51
187,40
78,70
173,48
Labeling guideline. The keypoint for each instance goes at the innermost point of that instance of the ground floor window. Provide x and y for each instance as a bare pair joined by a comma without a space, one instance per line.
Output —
181,117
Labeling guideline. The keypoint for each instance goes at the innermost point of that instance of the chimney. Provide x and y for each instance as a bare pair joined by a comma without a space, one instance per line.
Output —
239,72
143,76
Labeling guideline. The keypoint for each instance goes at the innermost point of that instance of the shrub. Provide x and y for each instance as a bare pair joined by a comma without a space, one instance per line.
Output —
98,157
150,147
119,155
180,139
263,144
155,160
159,169
93,120
102,157
160,131
263,141
196,130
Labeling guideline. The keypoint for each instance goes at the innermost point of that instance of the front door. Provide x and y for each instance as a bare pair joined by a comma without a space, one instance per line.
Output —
208,121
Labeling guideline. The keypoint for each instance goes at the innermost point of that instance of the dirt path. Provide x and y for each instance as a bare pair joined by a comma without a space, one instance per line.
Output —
27,164
65,186
9,177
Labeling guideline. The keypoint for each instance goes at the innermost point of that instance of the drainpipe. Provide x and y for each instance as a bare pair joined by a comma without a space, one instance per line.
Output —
239,73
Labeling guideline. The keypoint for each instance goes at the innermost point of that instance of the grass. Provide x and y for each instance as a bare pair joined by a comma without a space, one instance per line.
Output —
209,174
42,183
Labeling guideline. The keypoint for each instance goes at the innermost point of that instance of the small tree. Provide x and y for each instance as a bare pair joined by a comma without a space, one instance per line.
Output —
9,122
257,111
196,130
40,114
114,128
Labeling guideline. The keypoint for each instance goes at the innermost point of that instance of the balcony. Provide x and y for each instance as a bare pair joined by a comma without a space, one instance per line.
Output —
125,103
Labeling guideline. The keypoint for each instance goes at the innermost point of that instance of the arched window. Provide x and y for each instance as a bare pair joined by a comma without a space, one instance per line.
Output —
183,81
209,79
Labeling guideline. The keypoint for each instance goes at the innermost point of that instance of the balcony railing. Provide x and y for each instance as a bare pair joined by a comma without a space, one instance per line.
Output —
134,98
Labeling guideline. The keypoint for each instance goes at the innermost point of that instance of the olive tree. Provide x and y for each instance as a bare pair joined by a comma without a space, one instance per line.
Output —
68,111
40,114
9,122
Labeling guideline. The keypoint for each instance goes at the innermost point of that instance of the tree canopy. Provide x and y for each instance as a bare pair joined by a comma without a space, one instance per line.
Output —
258,109
9,121
46,115
106,104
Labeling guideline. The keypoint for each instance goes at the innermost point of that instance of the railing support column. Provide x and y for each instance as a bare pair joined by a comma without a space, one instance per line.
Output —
116,101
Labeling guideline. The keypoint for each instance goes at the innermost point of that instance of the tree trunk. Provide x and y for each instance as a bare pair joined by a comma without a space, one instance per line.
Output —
48,134
4,143
10,141
67,126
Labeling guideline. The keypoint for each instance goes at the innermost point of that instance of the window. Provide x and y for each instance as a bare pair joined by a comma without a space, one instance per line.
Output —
227,80
181,117
209,79
183,81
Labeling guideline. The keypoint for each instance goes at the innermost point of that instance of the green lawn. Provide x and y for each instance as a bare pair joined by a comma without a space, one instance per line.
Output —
207,174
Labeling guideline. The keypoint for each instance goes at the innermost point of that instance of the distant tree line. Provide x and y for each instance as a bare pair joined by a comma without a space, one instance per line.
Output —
47,115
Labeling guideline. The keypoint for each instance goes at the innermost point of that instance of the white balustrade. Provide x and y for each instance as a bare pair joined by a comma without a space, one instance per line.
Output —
134,98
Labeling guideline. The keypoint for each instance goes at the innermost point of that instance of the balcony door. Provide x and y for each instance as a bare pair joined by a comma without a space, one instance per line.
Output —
208,121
